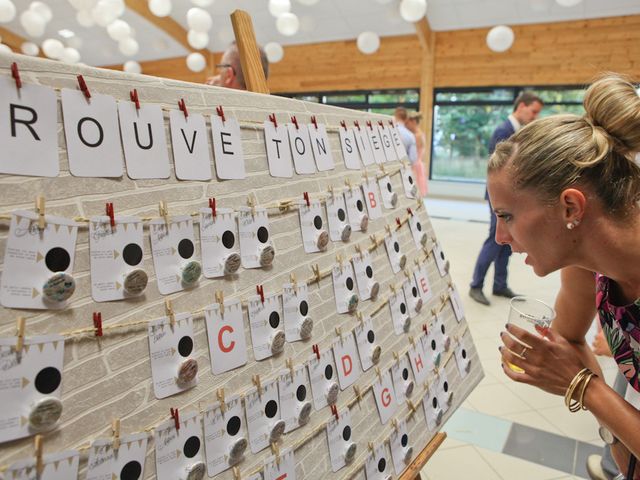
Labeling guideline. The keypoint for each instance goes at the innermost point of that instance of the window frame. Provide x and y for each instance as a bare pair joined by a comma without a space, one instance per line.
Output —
367,105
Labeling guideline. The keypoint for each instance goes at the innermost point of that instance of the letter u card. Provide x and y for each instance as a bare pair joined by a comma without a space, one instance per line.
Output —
225,435
368,347
397,259
345,353
219,242
278,150
30,384
30,138
368,287
297,321
385,396
315,237
403,383
91,132
227,148
295,397
57,466
255,243
173,368
38,263
401,447
378,464
342,446
323,377
321,147
117,269
349,149
127,462
267,326
280,468
226,337
180,453
264,416
190,146
174,254
339,227
344,287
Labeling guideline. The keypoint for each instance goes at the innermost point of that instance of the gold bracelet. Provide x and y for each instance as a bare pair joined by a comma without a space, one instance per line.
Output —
584,388
580,381
568,396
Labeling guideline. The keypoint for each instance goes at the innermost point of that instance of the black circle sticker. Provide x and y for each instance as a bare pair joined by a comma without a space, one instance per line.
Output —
442,255
304,308
433,344
349,283
369,271
131,471
371,337
57,259
445,387
274,319
328,372
186,248
191,447
263,234
410,178
341,215
442,328
233,425
396,247
346,433
414,292
132,254
228,239
418,226
464,353
271,408
404,440
359,205
389,186
185,346
317,222
301,393
382,464
405,374
435,402
403,308
48,380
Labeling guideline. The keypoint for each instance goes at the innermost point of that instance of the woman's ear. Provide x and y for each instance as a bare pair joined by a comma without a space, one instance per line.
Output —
573,203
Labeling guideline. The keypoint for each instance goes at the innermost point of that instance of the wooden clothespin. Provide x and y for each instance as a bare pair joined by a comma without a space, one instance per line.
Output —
220,396
343,124
168,306
220,112
378,374
359,250
398,222
387,227
392,287
370,446
357,124
338,331
176,418
360,317
164,212
395,356
434,312
407,273
411,406
294,120
40,211
348,183
20,326
314,120
374,240
251,202
416,261
316,273
330,190
257,383
220,300
236,473
358,393
412,341
275,449
339,260
289,363
394,422
115,428
294,283
38,454
382,169
365,175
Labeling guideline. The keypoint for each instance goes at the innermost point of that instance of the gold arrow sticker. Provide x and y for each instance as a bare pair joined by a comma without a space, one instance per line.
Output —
25,382
115,254
34,293
39,257
118,286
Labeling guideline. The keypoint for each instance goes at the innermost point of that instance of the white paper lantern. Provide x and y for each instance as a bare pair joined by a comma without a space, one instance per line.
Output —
32,23
274,52
119,30
103,13
288,24
30,48
196,62
160,8
278,7
568,3
131,66
202,3
117,6
70,55
198,40
129,46
43,10
85,19
53,48
7,11
368,42
5,49
384,2
310,2
83,4
500,38
413,10
199,20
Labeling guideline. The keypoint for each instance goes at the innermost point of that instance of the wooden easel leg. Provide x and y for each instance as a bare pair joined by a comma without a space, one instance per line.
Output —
413,471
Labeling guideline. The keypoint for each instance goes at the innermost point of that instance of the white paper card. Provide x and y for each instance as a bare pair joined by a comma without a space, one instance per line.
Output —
418,361
315,237
368,349
91,131
432,410
263,416
387,143
349,149
403,383
462,359
219,242
389,196
117,267
397,143
399,312
178,452
364,146
408,182
345,354
29,138
57,466
190,147
227,342
170,351
385,396
456,303
444,391
174,253
378,464
144,140
401,449
323,378
376,144
278,150
344,287
26,380
297,321
32,259
412,296
224,432
373,199
301,149
339,227
441,261
340,436
358,218
368,287
422,281
440,332
282,468
255,241
267,326
128,461
295,397
227,148
321,147
397,259
418,231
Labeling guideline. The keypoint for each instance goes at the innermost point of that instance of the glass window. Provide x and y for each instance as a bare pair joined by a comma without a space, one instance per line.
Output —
340,99
411,96
500,94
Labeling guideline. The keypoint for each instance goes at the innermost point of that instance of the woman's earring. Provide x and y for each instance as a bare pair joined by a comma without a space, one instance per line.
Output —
573,224
570,225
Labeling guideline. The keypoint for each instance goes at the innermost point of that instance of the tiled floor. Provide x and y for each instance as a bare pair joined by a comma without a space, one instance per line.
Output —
476,434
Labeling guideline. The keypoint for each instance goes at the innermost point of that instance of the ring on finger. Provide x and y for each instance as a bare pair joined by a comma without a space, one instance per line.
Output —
524,353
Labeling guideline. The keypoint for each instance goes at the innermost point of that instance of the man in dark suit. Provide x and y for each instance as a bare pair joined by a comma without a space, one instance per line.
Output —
526,109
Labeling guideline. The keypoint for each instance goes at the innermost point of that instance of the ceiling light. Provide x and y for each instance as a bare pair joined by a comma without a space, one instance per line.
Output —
66,33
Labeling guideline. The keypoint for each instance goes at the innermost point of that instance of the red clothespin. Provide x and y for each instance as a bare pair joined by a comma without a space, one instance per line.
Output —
183,107
357,124
316,350
83,86
314,120
369,125
212,206
15,73
112,219
306,198
424,328
272,118
220,112
391,123
334,411
133,94
176,417
294,120
380,123
409,211
260,290
343,124
398,222
97,323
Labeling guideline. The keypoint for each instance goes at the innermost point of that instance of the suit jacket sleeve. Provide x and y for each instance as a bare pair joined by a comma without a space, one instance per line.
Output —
502,132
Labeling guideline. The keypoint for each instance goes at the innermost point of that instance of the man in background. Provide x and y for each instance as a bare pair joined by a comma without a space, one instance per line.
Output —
526,109
229,70
408,139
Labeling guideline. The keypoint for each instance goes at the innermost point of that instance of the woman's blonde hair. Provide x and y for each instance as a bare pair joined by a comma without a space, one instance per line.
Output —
595,150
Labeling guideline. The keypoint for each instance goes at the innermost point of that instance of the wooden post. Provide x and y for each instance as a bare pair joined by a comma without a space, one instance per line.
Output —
413,471
249,54
427,39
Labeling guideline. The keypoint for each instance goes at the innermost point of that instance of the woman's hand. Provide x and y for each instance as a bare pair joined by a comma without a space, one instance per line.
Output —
549,361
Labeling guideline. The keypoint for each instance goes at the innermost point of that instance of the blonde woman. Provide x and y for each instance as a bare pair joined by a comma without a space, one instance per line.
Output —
565,190
412,125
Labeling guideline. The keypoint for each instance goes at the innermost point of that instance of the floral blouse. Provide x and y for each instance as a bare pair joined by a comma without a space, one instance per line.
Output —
621,328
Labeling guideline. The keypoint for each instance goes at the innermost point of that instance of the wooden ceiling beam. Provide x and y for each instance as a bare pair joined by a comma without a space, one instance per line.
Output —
425,34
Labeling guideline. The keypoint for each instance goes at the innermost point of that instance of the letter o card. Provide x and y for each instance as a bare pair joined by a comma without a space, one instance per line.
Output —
105,463
30,138
378,464
339,228
264,416
342,446
372,197
295,397
267,326
368,348
324,385
385,396
219,242
226,336
179,452
321,147
401,449
301,149
349,149
225,435
282,468
298,324
345,353
227,148
58,466
278,150
190,146
315,237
